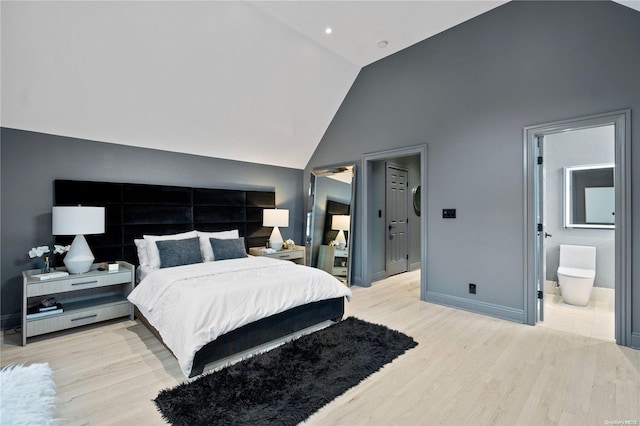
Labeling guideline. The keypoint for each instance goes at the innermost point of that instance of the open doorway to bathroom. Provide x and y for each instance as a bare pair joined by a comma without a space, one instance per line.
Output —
579,207
547,230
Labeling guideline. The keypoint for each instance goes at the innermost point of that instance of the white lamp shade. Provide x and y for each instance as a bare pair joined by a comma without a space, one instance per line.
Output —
77,220
341,222
275,217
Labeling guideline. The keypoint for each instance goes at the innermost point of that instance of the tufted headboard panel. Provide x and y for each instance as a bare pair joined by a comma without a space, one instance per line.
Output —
133,210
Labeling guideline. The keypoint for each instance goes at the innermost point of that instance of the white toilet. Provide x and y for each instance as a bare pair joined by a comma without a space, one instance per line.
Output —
576,273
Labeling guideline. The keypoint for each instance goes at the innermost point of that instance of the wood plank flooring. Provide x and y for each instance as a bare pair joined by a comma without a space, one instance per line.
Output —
467,369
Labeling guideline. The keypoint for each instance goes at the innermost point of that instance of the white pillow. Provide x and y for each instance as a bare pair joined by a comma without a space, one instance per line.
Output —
152,248
205,244
141,246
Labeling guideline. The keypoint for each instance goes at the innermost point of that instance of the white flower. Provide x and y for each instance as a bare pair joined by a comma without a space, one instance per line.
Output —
38,251
58,249
290,243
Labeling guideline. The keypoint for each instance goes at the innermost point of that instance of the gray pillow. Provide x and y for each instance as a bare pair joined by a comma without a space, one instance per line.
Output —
232,248
179,252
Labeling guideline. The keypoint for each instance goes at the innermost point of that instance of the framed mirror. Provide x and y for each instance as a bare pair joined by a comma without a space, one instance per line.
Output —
330,219
589,197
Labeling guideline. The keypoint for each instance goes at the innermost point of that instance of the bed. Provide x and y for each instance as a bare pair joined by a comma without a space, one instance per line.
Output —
165,296
193,305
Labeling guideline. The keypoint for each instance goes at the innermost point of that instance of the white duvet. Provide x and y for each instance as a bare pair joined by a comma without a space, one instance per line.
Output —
192,305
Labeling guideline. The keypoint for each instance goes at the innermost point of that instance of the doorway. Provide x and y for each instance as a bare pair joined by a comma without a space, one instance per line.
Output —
370,215
578,198
536,232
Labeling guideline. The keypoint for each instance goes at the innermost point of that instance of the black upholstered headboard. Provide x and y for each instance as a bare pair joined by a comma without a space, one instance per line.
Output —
134,210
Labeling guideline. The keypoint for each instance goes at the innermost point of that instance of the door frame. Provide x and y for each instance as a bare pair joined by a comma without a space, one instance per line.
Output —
387,165
622,121
541,220
366,187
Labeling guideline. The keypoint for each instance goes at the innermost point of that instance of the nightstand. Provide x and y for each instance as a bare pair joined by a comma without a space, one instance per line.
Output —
296,255
333,260
85,298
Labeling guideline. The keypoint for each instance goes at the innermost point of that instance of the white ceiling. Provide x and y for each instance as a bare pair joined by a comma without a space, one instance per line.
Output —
252,81
358,26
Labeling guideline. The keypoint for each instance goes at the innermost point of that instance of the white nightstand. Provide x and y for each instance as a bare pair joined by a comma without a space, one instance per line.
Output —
333,260
296,255
85,298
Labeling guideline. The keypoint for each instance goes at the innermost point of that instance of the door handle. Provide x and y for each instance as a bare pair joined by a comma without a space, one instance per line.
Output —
391,227
547,235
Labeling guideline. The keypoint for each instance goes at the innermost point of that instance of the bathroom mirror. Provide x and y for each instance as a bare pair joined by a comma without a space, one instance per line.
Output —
330,220
589,197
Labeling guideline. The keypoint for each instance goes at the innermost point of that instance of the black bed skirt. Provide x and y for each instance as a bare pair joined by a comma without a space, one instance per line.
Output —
267,330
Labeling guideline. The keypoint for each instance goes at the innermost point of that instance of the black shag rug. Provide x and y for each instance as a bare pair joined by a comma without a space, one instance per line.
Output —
289,383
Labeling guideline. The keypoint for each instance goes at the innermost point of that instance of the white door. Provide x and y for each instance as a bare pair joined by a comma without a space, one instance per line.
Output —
397,202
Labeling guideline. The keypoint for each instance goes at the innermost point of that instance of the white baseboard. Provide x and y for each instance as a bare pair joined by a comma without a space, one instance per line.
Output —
598,294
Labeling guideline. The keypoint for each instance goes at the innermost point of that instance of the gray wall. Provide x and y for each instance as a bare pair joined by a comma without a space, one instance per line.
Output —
576,148
468,93
31,161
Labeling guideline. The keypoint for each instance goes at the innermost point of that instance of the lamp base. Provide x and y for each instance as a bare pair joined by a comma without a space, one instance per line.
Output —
79,258
342,241
275,241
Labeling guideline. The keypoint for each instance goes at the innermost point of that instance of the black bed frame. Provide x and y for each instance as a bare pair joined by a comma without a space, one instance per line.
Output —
133,210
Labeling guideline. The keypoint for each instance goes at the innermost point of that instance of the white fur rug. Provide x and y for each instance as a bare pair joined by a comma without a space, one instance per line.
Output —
27,395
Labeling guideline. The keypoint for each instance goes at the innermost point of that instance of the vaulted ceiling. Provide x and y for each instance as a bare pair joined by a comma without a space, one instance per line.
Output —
255,81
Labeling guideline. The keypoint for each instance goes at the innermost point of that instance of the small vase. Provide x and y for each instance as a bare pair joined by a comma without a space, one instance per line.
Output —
46,268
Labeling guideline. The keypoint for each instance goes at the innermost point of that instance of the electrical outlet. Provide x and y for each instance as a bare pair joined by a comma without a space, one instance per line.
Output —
472,288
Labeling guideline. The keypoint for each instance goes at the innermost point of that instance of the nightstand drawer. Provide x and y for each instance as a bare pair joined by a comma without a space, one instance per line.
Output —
296,255
341,253
72,283
340,270
72,319
287,254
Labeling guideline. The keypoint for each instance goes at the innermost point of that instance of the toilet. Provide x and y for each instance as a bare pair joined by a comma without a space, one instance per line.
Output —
576,273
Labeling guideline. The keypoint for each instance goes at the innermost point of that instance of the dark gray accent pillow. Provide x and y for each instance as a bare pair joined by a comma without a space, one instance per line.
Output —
232,248
179,252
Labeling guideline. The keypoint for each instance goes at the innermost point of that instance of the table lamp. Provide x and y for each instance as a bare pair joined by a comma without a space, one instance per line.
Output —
341,222
275,218
78,221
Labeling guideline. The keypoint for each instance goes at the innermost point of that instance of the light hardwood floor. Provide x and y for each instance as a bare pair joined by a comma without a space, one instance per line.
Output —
467,369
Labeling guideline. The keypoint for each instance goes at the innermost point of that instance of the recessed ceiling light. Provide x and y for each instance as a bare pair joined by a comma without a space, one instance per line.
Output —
328,30
382,44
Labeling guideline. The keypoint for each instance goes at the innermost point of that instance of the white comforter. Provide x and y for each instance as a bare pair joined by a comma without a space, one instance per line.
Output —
192,305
